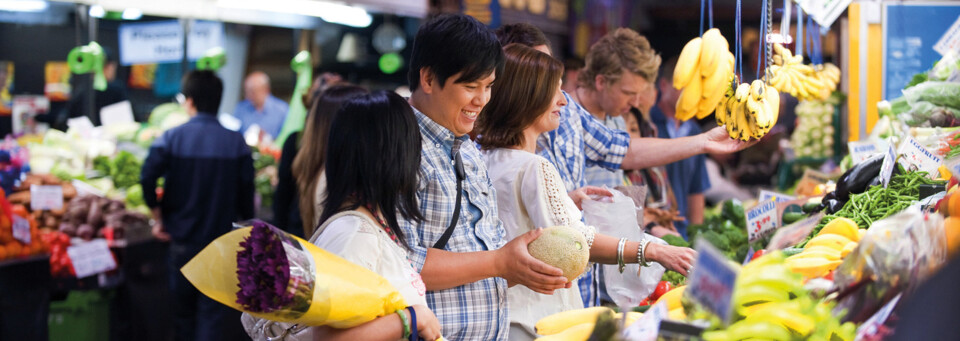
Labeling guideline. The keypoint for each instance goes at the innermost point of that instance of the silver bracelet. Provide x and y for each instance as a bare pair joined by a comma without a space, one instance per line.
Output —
620,264
641,253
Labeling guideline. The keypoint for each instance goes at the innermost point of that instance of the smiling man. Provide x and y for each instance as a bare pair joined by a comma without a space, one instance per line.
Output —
460,247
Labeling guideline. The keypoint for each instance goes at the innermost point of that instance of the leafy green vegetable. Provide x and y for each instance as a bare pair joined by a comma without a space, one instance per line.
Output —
675,240
675,278
917,79
727,230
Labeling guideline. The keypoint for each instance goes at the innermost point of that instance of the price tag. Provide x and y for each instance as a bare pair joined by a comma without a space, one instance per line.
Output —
81,124
776,197
794,233
862,150
950,39
120,112
648,326
46,197
712,280
886,169
91,258
914,156
761,219
21,229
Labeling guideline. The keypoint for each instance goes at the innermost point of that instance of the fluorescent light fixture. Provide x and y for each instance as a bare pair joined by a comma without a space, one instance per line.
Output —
97,11
131,14
328,11
23,5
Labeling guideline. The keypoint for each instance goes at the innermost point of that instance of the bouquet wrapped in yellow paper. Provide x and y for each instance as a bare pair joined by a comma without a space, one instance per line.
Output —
273,275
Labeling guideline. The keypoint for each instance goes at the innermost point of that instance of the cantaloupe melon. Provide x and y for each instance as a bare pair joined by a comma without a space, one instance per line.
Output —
563,247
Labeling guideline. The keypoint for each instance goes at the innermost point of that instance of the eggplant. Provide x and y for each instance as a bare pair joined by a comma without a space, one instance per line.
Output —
856,179
834,205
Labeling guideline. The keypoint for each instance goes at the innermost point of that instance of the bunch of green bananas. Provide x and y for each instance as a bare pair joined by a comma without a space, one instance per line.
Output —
749,111
704,67
770,303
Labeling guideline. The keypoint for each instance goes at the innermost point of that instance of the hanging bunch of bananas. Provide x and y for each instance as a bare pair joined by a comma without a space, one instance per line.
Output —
800,80
704,67
749,111
825,252
770,303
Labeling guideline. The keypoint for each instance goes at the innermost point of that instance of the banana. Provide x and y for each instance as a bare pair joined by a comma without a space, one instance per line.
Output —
787,315
677,314
832,241
730,119
714,90
812,267
684,114
743,330
773,105
561,321
754,111
743,90
576,333
687,63
847,249
690,96
745,132
819,252
747,296
756,89
843,227
672,298
721,111
712,51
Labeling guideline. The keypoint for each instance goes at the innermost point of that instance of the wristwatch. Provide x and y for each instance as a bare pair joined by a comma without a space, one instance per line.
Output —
649,227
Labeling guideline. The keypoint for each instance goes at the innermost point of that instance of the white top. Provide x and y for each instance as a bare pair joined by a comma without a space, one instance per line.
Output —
360,240
319,195
530,194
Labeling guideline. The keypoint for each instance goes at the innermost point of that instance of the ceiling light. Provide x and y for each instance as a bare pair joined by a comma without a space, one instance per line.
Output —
97,11
23,5
132,14
330,12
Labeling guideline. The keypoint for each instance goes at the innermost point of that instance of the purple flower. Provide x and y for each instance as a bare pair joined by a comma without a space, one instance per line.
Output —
263,271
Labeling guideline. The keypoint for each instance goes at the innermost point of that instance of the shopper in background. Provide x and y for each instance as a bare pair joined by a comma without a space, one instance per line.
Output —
307,163
660,203
571,70
526,103
454,62
259,107
688,176
361,213
208,185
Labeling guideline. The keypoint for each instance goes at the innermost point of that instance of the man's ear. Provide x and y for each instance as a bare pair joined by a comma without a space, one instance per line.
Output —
599,82
427,80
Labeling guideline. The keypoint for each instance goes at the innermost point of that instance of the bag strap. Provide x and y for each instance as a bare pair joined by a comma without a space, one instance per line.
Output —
458,169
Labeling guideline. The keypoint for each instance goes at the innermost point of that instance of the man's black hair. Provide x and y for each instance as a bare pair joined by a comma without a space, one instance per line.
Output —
451,44
523,34
205,89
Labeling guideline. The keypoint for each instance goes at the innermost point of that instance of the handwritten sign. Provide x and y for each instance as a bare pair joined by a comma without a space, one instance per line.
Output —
914,156
712,280
794,233
21,230
862,150
91,258
771,195
648,326
46,197
761,219
886,169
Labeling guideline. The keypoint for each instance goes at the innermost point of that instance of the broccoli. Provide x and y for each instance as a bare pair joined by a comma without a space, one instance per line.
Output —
717,240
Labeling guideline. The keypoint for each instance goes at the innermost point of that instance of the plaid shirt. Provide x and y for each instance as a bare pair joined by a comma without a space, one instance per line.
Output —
478,310
580,141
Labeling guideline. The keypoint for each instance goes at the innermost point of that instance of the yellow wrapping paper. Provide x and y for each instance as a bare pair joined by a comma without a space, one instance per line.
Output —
344,294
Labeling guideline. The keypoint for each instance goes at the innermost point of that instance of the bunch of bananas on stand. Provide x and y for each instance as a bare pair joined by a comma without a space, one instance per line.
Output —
805,82
703,69
749,111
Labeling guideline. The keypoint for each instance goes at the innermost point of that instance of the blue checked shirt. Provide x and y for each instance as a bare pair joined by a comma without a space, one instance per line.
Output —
478,310
580,141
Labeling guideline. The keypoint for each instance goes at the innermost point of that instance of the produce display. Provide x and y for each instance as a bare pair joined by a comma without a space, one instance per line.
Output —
750,111
824,252
805,82
813,137
726,229
91,216
13,245
930,99
703,70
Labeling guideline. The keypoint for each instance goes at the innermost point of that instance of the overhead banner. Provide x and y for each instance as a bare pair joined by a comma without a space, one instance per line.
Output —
162,41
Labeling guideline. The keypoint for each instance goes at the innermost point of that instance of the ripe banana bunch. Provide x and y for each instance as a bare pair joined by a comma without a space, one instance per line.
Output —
703,70
749,111
802,81
770,303
559,322
825,252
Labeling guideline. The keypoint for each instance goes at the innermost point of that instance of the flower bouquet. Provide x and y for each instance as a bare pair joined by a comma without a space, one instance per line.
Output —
273,275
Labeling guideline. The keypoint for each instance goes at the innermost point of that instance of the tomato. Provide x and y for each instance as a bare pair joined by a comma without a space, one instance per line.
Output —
646,301
756,255
661,289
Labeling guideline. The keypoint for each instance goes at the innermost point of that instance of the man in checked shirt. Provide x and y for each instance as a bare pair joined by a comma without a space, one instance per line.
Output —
454,62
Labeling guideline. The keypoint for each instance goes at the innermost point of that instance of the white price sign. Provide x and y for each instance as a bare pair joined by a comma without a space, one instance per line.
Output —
950,39
914,156
648,326
91,258
46,197
862,150
21,230
761,219
889,163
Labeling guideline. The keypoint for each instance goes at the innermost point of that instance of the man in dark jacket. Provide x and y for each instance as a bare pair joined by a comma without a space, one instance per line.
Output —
208,184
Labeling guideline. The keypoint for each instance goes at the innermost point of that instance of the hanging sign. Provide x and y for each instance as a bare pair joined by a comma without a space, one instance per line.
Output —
162,41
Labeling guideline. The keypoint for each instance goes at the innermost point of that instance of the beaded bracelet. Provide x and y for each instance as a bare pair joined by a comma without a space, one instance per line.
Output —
641,253
406,324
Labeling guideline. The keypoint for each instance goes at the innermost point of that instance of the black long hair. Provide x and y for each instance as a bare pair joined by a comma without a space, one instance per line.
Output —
373,156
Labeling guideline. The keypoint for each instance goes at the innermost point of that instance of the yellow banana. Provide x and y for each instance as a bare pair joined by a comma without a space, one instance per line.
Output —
832,241
714,91
842,226
847,249
786,315
820,252
561,321
712,51
773,106
677,314
672,298
756,89
690,97
752,113
745,296
579,332
745,131
632,317
812,267
687,63
730,119
743,90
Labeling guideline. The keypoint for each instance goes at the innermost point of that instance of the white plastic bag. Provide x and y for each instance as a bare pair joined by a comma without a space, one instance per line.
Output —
617,217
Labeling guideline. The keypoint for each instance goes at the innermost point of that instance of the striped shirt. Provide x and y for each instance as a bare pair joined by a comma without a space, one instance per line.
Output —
478,310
